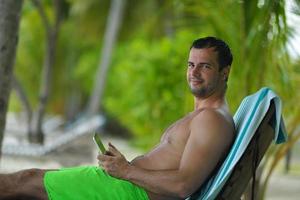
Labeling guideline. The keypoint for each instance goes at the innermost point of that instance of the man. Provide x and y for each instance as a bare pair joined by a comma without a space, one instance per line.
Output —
186,156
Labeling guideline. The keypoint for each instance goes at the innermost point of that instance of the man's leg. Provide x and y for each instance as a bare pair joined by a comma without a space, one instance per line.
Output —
25,184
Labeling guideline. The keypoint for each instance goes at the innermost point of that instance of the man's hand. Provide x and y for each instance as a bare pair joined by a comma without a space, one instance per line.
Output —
114,163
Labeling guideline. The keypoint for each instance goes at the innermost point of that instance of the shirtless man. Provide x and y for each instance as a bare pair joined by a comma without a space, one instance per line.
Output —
187,154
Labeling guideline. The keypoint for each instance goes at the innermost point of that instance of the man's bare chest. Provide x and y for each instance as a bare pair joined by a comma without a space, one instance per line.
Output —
178,132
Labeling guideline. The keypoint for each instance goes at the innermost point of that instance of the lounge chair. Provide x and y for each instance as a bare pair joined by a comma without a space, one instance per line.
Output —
258,121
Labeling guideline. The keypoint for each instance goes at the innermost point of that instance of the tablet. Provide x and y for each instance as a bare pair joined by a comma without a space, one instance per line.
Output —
99,143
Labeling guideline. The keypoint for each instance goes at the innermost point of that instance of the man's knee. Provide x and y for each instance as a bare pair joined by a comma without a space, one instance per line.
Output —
25,184
31,183
29,175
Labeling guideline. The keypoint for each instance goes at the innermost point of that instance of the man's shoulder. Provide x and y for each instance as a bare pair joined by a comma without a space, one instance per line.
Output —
212,115
212,121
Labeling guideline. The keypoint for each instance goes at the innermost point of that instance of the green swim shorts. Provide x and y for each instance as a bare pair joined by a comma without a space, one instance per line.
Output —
89,183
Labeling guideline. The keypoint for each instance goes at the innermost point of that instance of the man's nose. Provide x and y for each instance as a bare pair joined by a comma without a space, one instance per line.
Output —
195,70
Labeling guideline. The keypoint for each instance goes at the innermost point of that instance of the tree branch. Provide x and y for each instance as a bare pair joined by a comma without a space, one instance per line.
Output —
43,15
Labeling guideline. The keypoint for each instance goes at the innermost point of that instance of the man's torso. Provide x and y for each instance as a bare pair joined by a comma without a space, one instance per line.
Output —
168,153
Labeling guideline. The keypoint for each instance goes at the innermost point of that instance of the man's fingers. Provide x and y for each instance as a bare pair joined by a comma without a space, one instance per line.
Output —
103,157
104,161
113,149
111,145
100,157
108,153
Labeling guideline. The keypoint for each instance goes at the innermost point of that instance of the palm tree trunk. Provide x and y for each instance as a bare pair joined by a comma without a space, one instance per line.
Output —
24,101
10,11
112,28
36,133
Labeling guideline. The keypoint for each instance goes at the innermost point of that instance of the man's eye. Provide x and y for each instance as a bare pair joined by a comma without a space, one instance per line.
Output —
206,66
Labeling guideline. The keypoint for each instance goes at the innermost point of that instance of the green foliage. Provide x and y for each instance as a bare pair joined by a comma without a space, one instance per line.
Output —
76,59
30,51
13,103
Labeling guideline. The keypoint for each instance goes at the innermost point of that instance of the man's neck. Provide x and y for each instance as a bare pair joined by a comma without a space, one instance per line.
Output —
212,101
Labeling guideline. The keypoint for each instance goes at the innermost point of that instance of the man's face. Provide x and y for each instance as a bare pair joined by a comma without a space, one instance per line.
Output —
203,73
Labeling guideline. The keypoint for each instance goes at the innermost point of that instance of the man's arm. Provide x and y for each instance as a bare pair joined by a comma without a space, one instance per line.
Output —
207,142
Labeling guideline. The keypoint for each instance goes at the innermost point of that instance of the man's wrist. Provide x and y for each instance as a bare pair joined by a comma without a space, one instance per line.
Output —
128,173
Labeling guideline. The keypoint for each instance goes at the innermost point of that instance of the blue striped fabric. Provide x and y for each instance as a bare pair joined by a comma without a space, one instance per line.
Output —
247,119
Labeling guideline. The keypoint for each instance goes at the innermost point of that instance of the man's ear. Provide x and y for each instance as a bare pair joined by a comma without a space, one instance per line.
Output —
225,73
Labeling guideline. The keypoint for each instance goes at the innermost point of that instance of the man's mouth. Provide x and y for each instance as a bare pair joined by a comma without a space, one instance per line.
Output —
196,81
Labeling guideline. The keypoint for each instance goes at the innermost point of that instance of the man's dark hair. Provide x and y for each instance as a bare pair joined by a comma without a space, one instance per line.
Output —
224,54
